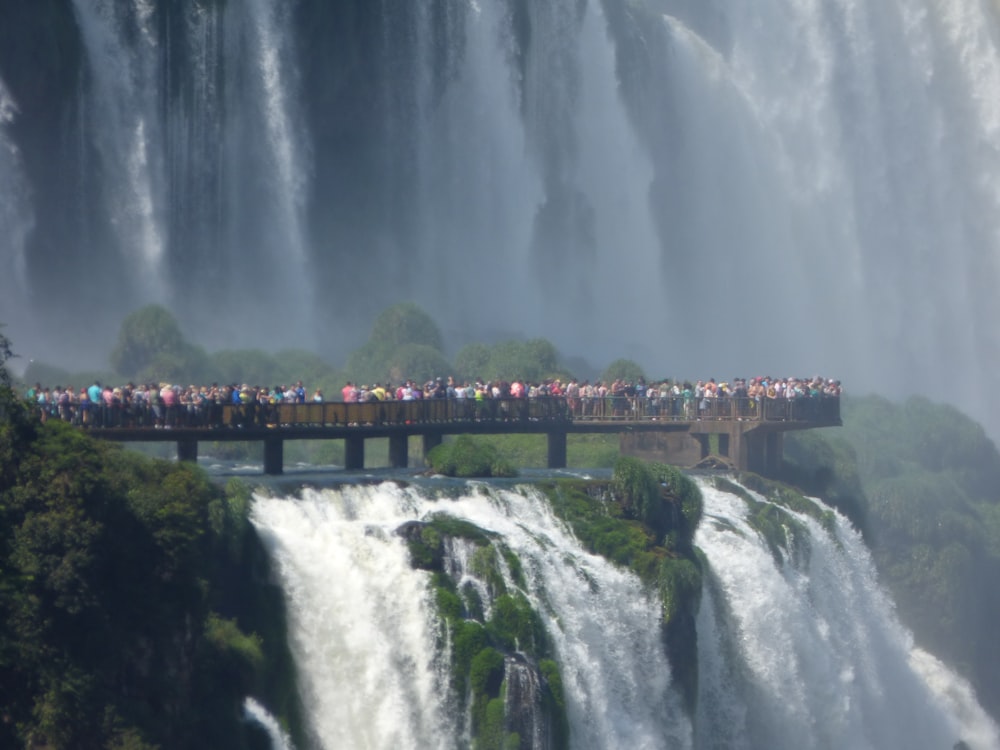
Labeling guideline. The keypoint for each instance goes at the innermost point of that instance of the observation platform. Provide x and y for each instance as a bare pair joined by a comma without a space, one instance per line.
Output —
748,434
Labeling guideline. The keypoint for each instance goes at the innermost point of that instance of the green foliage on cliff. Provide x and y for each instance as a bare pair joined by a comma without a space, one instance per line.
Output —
922,481
117,620
645,520
480,646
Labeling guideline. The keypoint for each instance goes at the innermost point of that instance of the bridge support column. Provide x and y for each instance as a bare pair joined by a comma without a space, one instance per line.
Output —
557,450
775,453
430,443
704,445
187,450
764,453
756,450
274,456
354,452
398,451
738,447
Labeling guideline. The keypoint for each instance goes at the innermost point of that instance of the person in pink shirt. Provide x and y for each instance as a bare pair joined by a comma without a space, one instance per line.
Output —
350,393
169,396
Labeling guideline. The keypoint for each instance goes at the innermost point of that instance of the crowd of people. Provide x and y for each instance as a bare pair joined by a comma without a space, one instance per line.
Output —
166,405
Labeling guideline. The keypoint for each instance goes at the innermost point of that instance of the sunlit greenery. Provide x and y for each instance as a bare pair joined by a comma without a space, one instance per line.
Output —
126,615
624,369
480,646
603,517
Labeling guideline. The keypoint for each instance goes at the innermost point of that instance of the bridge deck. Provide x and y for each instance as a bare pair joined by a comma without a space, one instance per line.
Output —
555,417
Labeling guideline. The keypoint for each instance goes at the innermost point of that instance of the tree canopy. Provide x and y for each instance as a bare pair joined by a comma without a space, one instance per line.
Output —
406,323
144,334
624,369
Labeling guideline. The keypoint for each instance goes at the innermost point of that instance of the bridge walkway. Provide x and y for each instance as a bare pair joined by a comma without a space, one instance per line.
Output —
749,432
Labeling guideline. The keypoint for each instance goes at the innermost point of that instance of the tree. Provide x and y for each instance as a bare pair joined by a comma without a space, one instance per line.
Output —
6,353
532,360
545,355
12,409
251,366
419,362
405,323
624,369
146,333
472,361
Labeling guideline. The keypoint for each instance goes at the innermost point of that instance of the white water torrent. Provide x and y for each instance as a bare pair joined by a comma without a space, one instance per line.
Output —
268,146
124,122
255,712
807,653
15,215
799,654
364,635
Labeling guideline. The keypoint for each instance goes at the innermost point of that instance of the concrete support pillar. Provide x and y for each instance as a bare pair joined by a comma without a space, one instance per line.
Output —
354,452
775,453
705,447
557,450
274,456
739,447
187,450
756,450
398,451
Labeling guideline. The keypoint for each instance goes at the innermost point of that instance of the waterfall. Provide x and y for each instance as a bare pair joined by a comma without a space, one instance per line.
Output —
15,214
625,179
125,126
798,647
363,630
366,639
255,712
844,142
193,157
267,146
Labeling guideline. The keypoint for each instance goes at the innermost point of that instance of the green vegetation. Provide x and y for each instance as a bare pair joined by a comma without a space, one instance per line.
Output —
532,360
127,618
466,456
922,481
481,647
645,520
405,342
624,369
784,534
151,347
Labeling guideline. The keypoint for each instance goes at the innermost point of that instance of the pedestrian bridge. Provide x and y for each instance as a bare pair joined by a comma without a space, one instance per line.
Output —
749,433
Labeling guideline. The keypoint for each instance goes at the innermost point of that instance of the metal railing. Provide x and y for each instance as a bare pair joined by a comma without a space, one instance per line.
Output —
212,415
